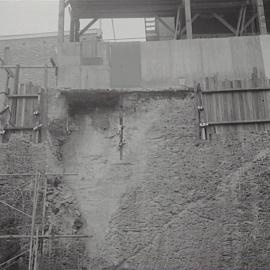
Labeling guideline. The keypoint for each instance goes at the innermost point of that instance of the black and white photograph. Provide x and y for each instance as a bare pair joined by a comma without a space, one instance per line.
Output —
134,134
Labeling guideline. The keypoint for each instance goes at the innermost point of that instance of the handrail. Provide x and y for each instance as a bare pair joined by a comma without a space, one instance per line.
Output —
234,90
8,66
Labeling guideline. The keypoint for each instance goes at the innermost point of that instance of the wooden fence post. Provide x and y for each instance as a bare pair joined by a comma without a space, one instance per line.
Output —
15,92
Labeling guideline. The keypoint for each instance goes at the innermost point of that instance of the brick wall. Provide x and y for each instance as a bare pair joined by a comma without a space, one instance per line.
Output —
31,51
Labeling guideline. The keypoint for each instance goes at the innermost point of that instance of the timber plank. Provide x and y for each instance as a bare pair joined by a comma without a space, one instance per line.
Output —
18,119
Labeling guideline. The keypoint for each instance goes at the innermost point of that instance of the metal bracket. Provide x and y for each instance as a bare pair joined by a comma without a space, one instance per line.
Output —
36,128
121,144
36,113
202,125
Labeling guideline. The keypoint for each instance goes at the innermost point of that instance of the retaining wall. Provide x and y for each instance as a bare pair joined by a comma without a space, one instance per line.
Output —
161,64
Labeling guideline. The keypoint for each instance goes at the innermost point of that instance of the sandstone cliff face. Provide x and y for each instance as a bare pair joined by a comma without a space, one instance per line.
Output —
172,202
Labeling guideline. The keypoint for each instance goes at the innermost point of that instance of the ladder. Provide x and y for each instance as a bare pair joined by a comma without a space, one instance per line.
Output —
151,29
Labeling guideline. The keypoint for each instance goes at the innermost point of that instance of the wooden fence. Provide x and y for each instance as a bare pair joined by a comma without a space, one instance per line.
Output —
26,111
232,106
23,105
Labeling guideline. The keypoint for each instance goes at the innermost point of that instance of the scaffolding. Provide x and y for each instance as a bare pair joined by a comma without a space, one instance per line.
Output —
37,185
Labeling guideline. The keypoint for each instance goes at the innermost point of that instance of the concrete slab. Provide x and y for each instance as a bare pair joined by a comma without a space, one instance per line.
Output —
164,64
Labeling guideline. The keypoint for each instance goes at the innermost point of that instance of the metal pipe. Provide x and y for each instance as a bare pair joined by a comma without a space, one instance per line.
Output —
8,66
239,122
234,90
14,208
20,236
31,174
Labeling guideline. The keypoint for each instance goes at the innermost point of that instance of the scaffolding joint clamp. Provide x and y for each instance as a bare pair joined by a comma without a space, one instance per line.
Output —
36,113
200,108
36,128
203,125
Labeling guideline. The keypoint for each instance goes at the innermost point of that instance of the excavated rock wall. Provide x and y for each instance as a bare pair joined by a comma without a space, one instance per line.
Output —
173,202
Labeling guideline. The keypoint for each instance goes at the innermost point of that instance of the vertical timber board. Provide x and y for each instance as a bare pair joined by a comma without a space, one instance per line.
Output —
245,109
18,121
242,106
267,108
15,92
258,107
240,100
255,108
36,118
29,107
217,98
262,105
212,99
206,100
126,65
227,99
210,116
44,113
26,108
249,105
23,110
234,106
32,109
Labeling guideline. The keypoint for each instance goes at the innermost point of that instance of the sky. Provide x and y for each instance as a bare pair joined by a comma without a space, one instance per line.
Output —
39,16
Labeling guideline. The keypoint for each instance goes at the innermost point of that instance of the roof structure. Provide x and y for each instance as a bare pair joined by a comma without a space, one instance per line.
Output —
187,17
144,8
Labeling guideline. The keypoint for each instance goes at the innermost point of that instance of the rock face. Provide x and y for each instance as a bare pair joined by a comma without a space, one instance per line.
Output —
172,202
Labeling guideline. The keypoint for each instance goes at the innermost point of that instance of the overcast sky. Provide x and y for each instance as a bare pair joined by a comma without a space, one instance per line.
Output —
37,16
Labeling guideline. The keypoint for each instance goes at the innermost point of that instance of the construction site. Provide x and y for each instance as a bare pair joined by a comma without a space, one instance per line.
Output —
148,154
